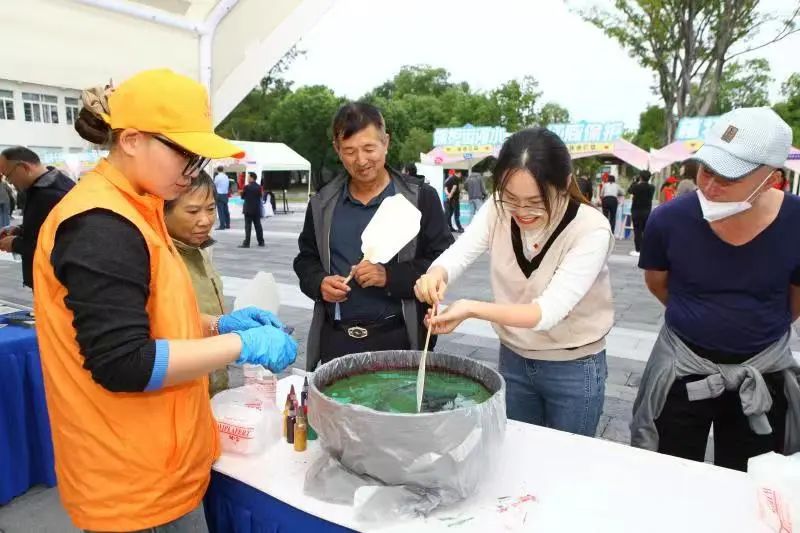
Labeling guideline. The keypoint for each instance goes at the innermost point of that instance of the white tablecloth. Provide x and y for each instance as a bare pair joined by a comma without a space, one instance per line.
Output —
546,481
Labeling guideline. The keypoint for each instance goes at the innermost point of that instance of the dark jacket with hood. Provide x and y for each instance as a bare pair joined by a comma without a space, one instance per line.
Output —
42,197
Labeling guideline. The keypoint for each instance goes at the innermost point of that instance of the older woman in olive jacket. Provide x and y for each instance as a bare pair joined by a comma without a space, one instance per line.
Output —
190,219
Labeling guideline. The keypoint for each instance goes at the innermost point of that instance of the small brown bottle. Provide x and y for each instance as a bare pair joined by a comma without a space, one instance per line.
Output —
300,432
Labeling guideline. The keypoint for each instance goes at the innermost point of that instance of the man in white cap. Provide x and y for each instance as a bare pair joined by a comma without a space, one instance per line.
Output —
726,264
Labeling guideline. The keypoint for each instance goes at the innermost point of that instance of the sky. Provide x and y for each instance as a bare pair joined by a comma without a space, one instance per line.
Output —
359,44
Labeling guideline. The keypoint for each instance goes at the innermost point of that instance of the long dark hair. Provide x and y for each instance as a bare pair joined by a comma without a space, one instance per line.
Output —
542,153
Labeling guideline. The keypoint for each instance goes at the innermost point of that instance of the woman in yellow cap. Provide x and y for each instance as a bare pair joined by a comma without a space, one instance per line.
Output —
125,350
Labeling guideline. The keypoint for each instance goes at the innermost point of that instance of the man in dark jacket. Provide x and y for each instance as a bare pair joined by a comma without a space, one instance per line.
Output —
44,188
377,310
251,196
452,188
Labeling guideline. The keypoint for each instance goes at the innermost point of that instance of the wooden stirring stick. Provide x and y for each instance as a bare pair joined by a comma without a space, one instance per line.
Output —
422,361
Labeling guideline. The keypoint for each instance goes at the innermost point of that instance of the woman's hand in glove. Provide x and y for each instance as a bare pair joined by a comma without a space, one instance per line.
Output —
247,318
267,346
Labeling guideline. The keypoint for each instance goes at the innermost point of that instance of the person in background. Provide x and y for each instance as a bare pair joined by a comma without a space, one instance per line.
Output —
377,310
410,169
725,262
781,181
44,187
452,189
251,196
476,191
585,186
268,200
610,201
685,186
190,219
642,193
6,197
124,348
269,197
222,187
14,194
552,304
668,190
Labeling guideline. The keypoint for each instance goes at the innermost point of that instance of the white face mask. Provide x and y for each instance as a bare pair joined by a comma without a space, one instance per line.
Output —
714,211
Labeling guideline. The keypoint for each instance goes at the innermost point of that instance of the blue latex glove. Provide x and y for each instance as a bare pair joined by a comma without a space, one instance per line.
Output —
267,346
247,318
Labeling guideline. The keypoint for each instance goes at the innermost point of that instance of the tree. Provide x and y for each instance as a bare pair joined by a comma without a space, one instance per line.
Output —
250,119
303,121
552,113
587,166
283,64
789,110
516,101
687,43
416,101
651,133
791,87
413,79
743,85
415,142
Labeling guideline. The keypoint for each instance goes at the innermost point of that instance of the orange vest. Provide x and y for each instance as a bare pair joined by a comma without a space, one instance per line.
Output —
124,461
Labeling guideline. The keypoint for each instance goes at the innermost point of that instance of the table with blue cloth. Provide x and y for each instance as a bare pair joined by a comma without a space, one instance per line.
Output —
26,449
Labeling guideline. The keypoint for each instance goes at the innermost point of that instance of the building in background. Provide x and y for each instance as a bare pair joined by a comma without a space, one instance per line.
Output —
40,117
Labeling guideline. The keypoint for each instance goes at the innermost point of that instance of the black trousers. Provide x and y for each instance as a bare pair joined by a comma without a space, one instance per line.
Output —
250,221
453,209
335,343
683,426
610,204
639,219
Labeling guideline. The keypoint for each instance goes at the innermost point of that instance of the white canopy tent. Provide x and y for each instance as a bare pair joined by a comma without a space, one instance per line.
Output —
271,156
228,45
261,156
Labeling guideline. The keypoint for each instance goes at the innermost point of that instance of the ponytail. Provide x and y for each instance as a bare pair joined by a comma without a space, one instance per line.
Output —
93,121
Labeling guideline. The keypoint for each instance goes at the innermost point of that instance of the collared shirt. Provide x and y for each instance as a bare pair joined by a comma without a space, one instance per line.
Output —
350,218
222,183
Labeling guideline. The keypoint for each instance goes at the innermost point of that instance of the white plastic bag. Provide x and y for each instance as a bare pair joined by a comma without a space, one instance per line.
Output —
261,292
246,420
778,480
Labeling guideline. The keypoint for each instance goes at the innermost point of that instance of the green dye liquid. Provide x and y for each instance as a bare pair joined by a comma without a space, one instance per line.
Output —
395,391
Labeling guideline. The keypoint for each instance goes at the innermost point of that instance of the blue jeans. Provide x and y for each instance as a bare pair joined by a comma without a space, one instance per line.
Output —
222,211
565,395
476,204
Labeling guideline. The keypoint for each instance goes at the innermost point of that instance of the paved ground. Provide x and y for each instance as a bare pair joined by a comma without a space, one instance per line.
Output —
638,319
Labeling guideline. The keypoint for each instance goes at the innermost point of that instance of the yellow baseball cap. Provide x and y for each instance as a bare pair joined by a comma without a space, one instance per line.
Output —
174,106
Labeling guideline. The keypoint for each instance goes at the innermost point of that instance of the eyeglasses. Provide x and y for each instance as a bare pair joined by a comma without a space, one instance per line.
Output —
194,163
519,209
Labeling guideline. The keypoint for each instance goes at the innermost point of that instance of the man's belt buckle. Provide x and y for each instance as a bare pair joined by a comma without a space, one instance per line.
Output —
358,332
